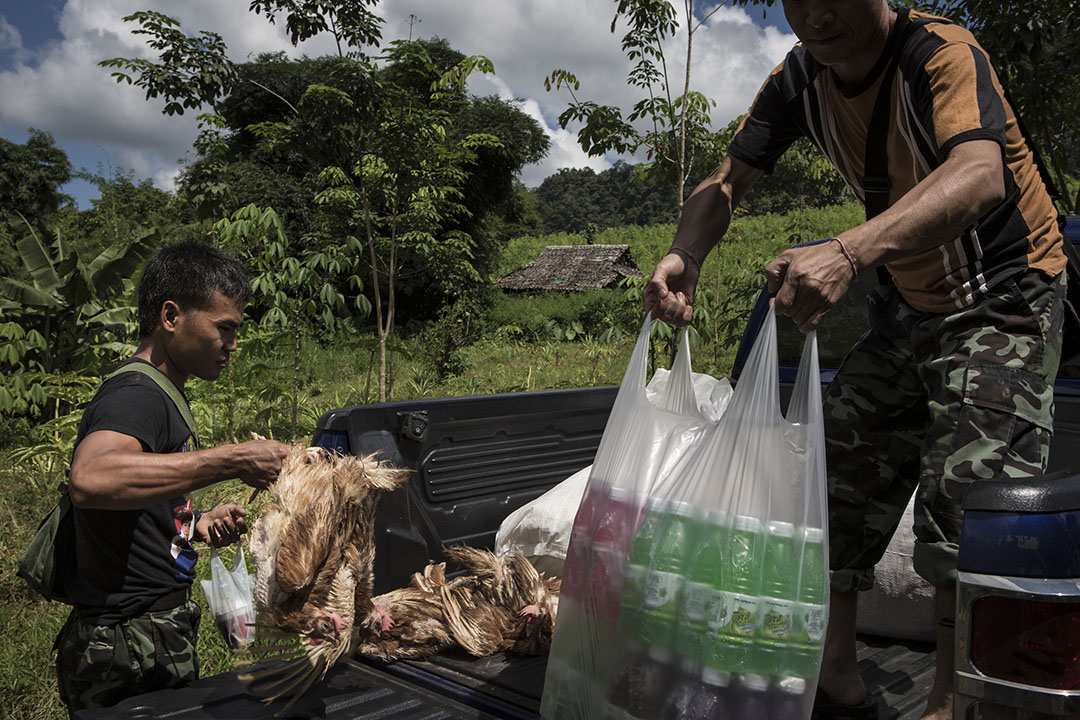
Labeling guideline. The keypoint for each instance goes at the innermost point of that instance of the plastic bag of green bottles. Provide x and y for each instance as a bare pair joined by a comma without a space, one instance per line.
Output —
695,584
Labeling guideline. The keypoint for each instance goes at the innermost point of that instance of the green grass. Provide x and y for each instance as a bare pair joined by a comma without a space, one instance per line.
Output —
256,396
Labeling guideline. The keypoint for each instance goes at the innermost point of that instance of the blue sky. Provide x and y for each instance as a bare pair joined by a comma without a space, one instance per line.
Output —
49,78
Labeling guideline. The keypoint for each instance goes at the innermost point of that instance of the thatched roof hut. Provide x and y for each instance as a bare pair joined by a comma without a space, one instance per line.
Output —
574,267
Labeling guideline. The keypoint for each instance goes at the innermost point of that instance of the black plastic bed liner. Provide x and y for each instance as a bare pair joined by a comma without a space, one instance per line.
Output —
455,686
899,673
351,690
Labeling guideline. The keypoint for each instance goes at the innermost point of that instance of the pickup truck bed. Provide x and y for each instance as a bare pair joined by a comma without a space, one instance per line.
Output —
899,673
454,686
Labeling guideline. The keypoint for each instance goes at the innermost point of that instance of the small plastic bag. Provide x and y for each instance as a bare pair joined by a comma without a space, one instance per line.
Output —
229,593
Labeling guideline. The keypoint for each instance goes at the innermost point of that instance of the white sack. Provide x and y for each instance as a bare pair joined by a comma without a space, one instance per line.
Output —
901,604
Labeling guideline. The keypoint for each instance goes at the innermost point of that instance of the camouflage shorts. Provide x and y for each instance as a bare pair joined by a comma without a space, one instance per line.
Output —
100,665
933,402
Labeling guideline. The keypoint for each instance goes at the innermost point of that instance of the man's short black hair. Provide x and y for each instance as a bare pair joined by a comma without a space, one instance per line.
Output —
188,273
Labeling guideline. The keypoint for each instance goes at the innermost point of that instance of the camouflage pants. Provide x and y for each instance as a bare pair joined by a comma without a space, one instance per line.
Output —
100,665
930,403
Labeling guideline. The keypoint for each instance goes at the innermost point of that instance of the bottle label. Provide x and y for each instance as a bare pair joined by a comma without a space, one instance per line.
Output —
662,593
810,623
718,611
696,606
776,618
743,610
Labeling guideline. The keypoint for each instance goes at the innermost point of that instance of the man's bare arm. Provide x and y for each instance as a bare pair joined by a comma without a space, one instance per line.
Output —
110,471
810,281
950,199
705,218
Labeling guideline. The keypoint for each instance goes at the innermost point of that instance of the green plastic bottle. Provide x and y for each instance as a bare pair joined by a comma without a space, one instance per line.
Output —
733,609
664,583
808,627
808,623
776,606
741,576
637,566
700,588
778,583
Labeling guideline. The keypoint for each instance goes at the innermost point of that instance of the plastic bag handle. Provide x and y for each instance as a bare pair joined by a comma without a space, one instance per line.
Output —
633,381
679,395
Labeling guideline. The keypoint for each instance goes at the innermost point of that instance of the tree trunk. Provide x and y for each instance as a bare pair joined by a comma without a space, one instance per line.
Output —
367,379
382,366
390,374
296,379
682,113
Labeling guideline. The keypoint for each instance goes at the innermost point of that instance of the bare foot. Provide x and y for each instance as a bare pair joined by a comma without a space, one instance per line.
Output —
840,677
939,708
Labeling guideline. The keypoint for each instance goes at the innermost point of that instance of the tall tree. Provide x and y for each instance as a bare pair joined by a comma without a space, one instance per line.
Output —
576,198
30,178
400,187
379,135
676,118
123,209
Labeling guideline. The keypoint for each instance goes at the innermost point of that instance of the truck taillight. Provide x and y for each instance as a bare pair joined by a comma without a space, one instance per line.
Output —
1027,641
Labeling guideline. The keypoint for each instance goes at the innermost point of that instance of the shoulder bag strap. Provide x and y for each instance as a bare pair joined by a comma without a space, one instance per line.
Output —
168,388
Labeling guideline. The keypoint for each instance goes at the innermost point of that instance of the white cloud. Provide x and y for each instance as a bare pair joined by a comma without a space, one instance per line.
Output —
65,92
526,41
564,150
10,39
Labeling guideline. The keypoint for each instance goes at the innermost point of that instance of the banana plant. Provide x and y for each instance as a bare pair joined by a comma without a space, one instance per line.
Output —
73,315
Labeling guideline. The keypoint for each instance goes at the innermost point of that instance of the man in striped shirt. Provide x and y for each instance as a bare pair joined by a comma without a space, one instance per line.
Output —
954,381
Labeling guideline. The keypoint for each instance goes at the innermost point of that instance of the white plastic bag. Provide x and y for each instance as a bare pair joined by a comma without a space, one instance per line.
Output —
721,599
540,530
643,436
229,593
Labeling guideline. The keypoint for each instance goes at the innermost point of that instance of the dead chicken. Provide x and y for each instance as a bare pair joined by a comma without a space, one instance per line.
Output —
417,627
495,606
502,605
313,547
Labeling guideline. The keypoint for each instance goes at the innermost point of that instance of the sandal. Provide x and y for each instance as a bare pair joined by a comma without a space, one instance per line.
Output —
826,708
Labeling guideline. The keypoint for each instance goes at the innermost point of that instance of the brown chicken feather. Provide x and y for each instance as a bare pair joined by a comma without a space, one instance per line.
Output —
419,627
495,606
314,550
507,606
313,547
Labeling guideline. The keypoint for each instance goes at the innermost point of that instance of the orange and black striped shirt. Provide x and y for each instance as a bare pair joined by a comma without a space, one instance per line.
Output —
945,92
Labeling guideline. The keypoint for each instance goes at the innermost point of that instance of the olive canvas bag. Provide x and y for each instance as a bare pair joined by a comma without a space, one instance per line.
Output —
52,550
